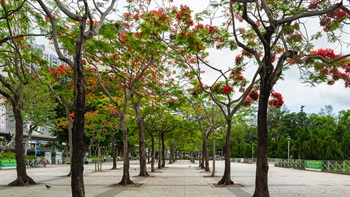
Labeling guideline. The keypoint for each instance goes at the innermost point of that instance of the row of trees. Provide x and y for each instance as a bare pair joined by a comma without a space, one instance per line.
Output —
155,56
321,136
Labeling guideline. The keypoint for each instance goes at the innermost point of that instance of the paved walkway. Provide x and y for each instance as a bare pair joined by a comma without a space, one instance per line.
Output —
181,179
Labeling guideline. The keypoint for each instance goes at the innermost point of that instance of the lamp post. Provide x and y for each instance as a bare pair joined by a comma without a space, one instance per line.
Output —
288,138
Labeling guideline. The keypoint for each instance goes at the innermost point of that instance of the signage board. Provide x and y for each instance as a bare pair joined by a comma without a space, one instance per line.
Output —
315,165
7,163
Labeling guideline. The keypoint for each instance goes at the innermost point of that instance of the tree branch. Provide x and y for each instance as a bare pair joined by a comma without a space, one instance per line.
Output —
67,12
54,35
310,14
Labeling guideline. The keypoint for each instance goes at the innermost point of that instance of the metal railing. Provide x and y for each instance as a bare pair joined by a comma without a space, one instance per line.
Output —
327,165
32,162
291,164
336,166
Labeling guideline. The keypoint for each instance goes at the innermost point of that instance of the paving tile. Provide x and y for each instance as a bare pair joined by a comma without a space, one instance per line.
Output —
181,179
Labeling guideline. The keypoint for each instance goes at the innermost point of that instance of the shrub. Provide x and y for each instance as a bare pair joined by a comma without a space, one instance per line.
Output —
8,155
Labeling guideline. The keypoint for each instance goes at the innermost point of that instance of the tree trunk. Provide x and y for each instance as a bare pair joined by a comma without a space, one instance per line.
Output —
213,172
66,149
226,179
174,156
148,157
77,157
142,144
22,177
114,152
70,136
99,157
153,158
262,167
202,163
205,152
159,151
126,163
171,154
191,156
163,150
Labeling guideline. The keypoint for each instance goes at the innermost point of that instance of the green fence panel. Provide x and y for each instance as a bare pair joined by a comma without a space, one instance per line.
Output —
8,163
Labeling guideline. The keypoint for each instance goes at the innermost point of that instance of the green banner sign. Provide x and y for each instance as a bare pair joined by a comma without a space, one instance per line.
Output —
313,165
7,163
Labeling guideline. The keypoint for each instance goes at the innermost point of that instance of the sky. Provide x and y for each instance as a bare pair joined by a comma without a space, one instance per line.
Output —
295,92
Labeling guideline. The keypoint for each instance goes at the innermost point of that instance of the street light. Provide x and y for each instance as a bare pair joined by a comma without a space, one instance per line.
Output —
288,138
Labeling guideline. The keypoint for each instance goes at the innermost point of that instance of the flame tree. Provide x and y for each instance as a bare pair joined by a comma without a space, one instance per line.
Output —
75,23
16,57
274,35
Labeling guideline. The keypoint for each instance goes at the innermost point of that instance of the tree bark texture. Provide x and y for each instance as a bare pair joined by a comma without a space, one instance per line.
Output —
213,170
226,179
202,163
142,144
159,151
22,177
152,151
153,158
77,157
205,152
70,133
163,150
261,178
126,163
114,152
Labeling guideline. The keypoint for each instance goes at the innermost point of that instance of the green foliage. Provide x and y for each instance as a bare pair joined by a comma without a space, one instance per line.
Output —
312,136
8,155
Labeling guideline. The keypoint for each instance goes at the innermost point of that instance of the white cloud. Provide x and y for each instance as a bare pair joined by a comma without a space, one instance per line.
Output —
296,94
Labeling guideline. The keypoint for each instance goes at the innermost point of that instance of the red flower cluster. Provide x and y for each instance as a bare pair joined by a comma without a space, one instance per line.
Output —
187,73
227,89
159,13
330,74
199,26
59,71
332,20
238,59
277,100
210,28
326,53
237,77
254,95
247,102
184,15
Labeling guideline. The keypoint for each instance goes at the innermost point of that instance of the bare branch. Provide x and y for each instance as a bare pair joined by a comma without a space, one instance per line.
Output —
241,99
239,43
345,9
54,34
92,32
309,14
9,87
10,12
269,14
67,12
104,89
3,149
280,63
319,57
